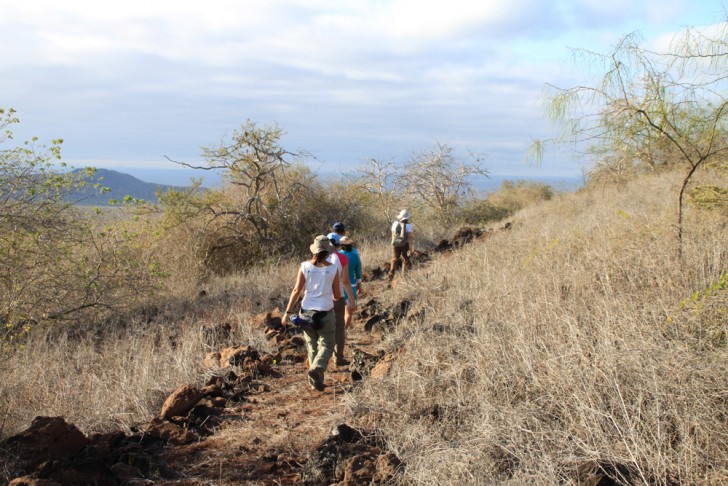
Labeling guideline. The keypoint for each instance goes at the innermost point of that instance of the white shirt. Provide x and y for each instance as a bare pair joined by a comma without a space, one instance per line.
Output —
407,227
319,294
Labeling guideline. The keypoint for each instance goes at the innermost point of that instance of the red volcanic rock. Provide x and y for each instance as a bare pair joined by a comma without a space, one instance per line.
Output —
238,356
212,360
169,432
387,465
181,401
270,320
47,439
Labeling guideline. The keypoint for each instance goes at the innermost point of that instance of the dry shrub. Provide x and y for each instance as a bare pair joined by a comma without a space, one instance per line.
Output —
510,198
517,195
483,211
562,344
203,236
345,200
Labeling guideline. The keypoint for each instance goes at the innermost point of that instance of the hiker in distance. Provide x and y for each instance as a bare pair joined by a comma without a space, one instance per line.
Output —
318,281
401,242
339,228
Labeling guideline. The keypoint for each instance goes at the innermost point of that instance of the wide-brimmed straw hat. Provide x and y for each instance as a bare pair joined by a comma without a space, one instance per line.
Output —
345,240
321,243
404,214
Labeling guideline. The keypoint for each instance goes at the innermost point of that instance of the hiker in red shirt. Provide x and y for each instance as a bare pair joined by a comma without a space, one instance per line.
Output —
341,304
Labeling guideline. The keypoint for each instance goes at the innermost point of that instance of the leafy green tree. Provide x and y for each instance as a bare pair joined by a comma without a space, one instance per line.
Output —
647,109
58,262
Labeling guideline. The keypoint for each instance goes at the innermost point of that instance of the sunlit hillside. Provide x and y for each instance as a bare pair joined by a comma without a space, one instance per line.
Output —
576,341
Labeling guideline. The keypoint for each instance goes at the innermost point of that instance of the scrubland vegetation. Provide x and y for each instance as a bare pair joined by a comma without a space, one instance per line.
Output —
592,334
577,336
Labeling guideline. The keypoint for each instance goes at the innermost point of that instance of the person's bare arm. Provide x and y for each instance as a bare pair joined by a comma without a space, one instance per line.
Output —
295,295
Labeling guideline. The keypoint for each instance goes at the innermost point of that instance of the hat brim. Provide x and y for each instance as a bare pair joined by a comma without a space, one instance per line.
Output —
321,245
316,249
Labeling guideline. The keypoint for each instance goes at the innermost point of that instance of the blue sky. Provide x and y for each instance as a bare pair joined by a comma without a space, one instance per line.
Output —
127,83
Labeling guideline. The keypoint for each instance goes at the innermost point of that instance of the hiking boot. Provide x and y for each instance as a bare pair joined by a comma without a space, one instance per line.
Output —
316,379
342,362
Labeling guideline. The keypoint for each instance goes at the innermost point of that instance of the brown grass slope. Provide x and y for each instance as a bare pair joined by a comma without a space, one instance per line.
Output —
576,343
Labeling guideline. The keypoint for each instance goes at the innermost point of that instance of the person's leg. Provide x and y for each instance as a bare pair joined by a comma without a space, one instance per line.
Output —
325,345
348,315
393,262
312,347
340,317
405,257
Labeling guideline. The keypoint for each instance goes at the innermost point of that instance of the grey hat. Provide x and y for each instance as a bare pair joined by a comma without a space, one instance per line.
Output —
404,214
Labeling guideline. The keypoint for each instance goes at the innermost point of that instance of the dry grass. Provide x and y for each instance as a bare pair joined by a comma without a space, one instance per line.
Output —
562,342
576,337
110,375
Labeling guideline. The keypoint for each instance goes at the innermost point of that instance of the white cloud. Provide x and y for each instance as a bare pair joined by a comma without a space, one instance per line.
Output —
152,77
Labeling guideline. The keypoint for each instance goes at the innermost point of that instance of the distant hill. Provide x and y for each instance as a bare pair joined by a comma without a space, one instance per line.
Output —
121,185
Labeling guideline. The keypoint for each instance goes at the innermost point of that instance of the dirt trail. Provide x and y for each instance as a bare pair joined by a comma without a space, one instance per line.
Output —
256,422
270,437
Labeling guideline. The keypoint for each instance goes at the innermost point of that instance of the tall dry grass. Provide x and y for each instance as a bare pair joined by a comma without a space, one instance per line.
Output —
113,374
565,343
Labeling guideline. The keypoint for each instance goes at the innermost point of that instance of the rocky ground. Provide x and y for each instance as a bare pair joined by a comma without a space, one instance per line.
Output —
256,421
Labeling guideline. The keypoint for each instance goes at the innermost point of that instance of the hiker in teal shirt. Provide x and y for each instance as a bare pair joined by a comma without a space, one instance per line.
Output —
347,248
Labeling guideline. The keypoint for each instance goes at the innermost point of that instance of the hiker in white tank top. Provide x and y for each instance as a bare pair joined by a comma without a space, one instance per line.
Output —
318,281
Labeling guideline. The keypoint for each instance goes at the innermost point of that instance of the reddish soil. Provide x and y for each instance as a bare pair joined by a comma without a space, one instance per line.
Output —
274,433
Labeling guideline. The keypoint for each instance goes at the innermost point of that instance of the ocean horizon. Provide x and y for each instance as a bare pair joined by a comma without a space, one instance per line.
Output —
184,176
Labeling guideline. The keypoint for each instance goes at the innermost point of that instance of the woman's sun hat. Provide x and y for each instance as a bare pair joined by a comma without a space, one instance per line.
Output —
321,243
